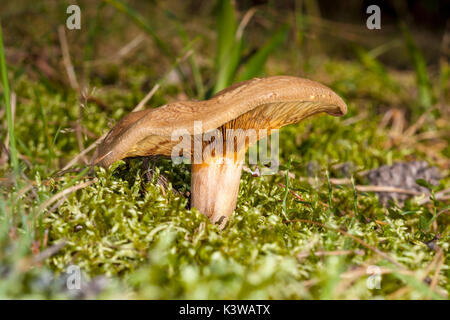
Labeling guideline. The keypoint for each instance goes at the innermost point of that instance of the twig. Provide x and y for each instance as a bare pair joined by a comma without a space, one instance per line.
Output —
372,188
122,53
13,114
82,153
416,126
56,205
64,193
398,293
32,183
49,251
144,101
245,20
331,253
78,132
292,192
99,140
428,269
139,107
354,119
98,102
438,270
440,195
130,46
25,264
66,59
363,243
25,189
84,130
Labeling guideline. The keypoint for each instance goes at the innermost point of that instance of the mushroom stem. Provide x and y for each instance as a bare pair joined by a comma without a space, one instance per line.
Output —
215,187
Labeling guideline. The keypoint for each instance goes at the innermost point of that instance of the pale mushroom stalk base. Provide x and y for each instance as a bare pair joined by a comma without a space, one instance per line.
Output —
215,187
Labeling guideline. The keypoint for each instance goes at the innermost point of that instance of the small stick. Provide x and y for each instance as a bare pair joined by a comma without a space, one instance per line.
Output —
331,253
438,270
56,205
64,193
98,102
416,126
99,140
139,107
49,251
78,132
354,119
372,188
441,196
245,20
122,53
362,242
292,192
144,101
66,59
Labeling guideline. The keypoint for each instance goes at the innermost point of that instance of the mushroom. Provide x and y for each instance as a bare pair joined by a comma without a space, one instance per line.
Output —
261,103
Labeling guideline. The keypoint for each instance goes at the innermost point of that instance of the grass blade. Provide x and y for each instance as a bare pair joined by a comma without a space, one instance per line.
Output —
286,191
226,31
140,21
229,48
426,98
255,64
198,80
228,68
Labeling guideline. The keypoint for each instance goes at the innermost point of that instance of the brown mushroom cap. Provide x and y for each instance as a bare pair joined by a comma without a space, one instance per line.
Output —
266,103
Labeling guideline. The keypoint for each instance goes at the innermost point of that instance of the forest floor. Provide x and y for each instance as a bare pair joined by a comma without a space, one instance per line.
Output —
317,229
